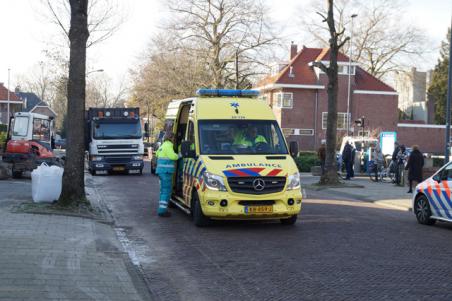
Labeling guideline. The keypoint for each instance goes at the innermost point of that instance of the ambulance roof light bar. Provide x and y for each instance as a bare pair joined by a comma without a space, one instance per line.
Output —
227,92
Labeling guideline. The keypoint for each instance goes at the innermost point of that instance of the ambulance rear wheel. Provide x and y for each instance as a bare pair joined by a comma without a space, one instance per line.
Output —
198,216
289,221
423,211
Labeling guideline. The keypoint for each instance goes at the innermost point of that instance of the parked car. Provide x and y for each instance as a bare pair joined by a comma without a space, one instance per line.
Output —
432,197
60,143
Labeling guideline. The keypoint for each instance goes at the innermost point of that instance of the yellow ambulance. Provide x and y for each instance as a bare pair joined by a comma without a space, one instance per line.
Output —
235,161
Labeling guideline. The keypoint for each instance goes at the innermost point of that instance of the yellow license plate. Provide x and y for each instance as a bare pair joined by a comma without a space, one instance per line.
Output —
118,168
259,209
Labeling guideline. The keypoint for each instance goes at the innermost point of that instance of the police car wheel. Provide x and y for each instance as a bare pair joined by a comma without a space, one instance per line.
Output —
198,216
289,221
422,211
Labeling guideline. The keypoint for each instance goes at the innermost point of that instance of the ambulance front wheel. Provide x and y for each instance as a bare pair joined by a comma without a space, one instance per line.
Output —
289,221
198,216
423,211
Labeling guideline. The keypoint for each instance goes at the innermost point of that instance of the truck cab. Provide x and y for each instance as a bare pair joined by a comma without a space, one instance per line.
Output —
235,161
29,142
114,140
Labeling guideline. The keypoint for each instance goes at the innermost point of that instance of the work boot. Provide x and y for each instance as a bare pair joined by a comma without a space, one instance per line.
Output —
164,214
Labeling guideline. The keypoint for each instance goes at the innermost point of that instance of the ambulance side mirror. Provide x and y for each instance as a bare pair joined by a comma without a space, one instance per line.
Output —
186,150
293,148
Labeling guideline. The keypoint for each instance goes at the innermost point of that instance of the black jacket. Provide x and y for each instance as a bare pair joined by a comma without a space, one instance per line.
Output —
347,153
415,165
395,152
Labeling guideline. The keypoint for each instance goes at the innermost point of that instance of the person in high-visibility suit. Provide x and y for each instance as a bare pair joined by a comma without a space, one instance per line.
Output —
255,137
166,160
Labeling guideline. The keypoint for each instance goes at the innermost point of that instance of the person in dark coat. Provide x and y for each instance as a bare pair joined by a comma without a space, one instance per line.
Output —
347,159
414,167
321,153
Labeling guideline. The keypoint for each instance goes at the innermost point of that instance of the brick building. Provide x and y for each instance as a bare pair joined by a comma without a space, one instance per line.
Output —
298,95
15,104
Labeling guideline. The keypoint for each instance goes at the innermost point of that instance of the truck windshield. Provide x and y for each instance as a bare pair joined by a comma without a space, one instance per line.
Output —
117,129
241,137
20,126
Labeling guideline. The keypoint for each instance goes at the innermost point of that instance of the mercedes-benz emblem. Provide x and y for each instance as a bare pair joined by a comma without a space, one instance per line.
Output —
259,184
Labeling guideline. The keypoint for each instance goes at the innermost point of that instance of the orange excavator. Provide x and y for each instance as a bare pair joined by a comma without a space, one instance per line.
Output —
29,142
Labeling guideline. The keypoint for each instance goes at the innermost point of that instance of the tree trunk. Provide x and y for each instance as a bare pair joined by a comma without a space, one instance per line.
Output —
73,177
330,174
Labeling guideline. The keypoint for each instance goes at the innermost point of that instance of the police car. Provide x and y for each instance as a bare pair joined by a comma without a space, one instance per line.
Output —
432,199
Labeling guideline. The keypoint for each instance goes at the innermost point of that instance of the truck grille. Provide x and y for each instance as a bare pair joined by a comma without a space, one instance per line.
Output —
250,185
117,160
117,148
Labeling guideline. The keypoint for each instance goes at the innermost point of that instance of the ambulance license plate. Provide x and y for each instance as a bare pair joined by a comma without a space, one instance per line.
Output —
259,209
118,168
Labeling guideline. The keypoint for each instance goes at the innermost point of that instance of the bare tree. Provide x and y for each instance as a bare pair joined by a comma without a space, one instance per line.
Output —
167,72
101,94
104,18
219,31
336,41
382,40
73,178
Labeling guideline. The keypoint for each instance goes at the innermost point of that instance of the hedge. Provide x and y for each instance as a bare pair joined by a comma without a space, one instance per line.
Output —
3,128
306,160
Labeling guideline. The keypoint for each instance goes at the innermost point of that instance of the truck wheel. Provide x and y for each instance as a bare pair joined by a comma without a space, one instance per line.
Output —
198,216
289,221
92,172
141,171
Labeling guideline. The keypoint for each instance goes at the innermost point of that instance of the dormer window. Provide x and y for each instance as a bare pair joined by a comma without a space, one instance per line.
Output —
342,68
291,74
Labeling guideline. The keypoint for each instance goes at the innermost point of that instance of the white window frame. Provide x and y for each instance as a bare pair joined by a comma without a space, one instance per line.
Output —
280,102
343,114
344,67
297,132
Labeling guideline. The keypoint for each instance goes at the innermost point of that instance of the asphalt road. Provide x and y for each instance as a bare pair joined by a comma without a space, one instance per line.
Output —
338,250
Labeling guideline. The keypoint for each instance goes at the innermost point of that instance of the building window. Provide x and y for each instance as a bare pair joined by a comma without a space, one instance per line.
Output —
366,134
284,100
343,69
341,120
297,132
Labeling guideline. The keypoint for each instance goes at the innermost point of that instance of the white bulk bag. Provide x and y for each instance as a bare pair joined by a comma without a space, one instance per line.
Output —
46,183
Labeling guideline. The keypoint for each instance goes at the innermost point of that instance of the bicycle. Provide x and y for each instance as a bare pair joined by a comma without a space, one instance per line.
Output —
384,175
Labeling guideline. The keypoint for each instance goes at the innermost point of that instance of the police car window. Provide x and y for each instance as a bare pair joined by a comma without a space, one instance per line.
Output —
446,173
240,137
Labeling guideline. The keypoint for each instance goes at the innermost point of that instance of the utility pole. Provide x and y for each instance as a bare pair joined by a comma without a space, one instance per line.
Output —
350,76
7,114
449,99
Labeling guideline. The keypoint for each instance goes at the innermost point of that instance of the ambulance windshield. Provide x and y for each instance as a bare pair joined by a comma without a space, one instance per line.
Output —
241,137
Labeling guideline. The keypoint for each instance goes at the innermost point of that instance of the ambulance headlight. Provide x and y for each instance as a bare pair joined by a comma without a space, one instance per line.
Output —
214,182
294,181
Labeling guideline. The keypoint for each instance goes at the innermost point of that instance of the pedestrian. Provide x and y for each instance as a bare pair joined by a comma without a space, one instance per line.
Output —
400,163
378,159
414,167
395,152
166,158
321,153
347,159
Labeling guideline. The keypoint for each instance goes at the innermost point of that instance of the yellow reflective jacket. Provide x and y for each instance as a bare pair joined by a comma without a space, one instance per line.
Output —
166,151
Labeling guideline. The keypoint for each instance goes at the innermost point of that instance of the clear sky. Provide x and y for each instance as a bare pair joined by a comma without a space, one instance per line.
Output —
25,33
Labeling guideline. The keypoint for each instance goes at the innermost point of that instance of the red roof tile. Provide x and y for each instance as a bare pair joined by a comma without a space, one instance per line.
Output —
4,94
365,81
305,75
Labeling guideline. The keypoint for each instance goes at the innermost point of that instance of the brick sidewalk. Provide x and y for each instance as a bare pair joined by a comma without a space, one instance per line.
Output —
386,194
50,257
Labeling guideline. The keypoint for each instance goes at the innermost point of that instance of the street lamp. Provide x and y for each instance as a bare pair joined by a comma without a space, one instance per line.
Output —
350,75
7,104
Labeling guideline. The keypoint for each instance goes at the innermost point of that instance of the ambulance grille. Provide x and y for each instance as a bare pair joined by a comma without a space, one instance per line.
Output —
245,184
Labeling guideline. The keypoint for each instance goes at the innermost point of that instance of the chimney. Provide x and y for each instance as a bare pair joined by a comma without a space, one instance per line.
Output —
293,50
